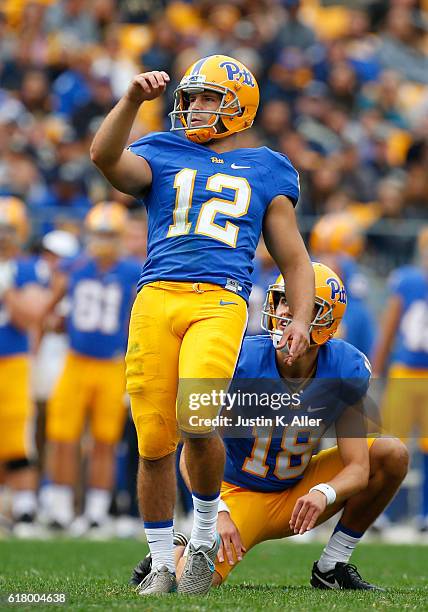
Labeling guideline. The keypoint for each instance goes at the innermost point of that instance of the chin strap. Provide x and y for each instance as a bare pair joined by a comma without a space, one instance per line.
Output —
276,338
200,136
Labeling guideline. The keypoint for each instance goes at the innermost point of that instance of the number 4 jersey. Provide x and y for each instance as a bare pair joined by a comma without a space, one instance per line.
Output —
205,209
99,306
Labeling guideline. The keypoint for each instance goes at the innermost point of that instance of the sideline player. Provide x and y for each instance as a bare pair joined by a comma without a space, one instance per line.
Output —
273,486
100,287
207,202
21,305
337,240
404,339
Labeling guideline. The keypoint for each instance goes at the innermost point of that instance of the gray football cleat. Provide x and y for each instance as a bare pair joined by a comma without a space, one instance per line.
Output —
198,572
159,582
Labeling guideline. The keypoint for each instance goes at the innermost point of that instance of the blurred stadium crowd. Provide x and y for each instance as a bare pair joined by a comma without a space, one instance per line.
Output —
344,94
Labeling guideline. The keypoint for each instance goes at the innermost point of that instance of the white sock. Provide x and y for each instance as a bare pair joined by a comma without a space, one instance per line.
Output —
160,540
97,505
339,548
205,513
23,502
61,499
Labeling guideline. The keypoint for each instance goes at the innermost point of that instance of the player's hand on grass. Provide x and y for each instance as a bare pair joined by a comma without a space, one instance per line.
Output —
229,537
306,511
295,339
147,86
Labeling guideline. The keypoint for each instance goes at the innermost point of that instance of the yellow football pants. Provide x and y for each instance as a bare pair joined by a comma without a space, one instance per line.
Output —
266,516
405,404
180,335
15,407
88,387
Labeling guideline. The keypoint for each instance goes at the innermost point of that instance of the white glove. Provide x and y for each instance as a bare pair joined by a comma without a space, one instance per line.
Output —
7,276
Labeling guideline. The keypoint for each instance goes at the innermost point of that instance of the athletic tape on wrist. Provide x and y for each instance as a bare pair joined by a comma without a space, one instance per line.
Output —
222,506
328,491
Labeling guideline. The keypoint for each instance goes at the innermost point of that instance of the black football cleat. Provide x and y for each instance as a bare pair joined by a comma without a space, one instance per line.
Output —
144,567
344,576
141,570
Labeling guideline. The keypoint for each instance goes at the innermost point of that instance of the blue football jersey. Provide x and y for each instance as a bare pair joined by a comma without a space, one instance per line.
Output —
99,306
13,340
272,462
410,284
358,326
205,209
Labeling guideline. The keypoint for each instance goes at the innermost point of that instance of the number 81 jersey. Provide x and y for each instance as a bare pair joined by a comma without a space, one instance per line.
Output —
205,209
99,305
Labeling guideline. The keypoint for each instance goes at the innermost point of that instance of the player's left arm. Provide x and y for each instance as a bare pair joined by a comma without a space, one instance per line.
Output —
352,478
285,244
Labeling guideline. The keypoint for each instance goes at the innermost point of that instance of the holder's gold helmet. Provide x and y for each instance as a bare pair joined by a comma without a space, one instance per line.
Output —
239,98
330,306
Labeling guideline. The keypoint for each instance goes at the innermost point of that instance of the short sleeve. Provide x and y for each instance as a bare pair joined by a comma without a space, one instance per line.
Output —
284,177
147,147
356,375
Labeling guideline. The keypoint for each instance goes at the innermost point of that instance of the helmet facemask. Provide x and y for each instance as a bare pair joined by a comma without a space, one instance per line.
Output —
228,107
106,245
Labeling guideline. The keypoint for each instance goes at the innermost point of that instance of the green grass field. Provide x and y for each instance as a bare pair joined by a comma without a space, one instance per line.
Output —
273,576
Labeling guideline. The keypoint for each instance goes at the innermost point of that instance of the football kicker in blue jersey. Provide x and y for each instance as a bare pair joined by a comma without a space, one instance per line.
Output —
198,214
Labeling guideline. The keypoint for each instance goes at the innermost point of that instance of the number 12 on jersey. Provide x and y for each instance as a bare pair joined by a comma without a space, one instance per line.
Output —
184,183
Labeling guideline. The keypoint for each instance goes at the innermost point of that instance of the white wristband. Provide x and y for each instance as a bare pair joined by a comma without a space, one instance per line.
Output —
328,491
222,506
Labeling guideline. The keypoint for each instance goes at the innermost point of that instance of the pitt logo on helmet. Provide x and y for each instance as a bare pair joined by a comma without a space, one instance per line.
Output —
236,73
337,290
329,307
238,92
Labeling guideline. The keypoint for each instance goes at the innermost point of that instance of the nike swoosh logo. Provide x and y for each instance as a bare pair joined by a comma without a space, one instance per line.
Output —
331,585
236,167
153,541
310,409
203,511
223,303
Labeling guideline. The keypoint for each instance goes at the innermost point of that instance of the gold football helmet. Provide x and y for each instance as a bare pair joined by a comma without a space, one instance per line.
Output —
337,233
13,221
330,306
239,93
105,224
